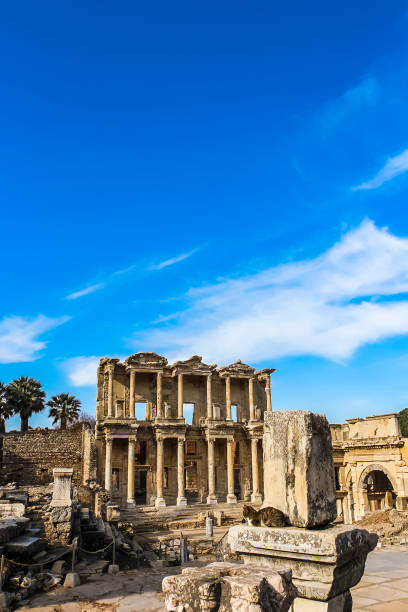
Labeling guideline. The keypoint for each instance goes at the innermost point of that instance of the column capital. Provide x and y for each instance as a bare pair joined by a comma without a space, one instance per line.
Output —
180,440
110,368
108,439
230,440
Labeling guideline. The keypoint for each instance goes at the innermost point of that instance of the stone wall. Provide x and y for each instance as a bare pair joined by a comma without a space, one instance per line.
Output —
30,457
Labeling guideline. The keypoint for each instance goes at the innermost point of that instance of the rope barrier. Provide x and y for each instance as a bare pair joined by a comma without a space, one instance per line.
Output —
44,562
95,552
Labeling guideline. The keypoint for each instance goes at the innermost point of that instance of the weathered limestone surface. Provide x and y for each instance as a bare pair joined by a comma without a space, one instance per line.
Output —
11,509
230,586
324,562
61,496
298,467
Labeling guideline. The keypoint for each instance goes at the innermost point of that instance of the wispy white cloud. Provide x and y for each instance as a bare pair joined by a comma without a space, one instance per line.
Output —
323,306
394,167
131,268
81,371
86,291
19,337
363,94
173,260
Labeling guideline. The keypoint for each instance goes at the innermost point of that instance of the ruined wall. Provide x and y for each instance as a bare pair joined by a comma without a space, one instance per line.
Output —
30,457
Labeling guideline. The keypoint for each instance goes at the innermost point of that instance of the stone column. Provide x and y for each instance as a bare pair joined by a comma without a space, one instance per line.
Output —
268,393
231,499
180,396
211,499
159,474
228,397
131,474
108,464
256,497
159,395
251,399
132,393
181,500
110,391
209,398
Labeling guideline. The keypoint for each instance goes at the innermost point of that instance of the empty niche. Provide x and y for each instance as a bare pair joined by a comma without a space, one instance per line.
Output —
188,412
140,411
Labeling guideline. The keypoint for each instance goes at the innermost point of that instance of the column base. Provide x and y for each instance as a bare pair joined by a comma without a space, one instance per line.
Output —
256,498
160,502
130,503
181,501
211,499
231,499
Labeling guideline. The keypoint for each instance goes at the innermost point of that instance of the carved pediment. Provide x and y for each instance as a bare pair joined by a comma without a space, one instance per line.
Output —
146,361
237,369
193,365
104,361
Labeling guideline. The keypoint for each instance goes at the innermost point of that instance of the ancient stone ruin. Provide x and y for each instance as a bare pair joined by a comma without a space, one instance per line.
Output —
326,560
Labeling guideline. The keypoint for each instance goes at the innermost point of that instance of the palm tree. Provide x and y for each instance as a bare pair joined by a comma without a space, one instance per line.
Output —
25,396
64,408
5,411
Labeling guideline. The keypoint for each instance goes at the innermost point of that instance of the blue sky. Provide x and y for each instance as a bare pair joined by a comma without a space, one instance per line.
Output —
227,179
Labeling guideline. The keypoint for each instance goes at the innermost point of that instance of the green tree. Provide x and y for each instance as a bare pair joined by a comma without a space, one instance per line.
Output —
24,396
403,422
5,411
64,408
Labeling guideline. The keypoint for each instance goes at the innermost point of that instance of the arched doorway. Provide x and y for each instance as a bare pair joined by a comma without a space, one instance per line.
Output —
379,488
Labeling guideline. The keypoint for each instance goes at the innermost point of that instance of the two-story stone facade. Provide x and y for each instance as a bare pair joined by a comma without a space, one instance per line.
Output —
183,432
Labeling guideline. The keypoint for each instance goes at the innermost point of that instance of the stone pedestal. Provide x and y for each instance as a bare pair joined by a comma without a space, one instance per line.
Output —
61,496
325,563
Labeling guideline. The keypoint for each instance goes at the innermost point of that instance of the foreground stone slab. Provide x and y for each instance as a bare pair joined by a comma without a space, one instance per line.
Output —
230,586
325,563
298,467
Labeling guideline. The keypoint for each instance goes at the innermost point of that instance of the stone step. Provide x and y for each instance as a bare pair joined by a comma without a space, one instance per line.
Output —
25,545
33,531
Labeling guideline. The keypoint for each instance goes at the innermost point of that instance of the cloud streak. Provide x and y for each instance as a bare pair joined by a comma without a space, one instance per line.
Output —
86,291
123,271
394,167
173,260
328,306
366,93
19,337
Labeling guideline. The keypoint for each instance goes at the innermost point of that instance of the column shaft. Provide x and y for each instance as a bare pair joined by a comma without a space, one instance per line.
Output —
211,499
131,474
231,499
251,399
132,393
108,465
181,500
159,474
256,496
228,396
180,396
159,395
268,394
110,392
209,398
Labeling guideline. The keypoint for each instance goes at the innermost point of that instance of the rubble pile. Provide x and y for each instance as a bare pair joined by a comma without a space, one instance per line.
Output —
391,526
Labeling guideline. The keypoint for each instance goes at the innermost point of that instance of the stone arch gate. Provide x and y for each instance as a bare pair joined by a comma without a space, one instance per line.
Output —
363,497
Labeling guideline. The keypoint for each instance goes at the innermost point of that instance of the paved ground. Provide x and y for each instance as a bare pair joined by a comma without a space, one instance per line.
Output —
384,588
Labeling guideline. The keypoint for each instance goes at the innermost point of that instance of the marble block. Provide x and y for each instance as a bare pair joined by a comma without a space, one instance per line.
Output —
298,467
61,495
